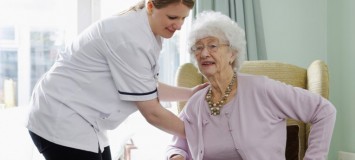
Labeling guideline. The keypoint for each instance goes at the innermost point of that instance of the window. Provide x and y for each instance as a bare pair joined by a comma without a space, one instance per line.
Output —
45,45
31,34
8,76
7,33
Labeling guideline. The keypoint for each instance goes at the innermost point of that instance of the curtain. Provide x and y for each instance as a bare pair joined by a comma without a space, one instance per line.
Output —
247,14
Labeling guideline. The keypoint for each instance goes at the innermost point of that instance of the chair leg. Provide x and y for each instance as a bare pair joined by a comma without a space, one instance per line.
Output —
127,150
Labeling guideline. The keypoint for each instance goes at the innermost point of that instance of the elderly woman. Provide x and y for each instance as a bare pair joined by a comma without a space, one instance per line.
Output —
241,116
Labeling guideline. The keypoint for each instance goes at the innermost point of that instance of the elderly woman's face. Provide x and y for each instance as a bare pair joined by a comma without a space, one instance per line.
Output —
212,56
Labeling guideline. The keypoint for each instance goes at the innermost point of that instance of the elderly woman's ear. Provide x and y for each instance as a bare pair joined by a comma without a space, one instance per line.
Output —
233,57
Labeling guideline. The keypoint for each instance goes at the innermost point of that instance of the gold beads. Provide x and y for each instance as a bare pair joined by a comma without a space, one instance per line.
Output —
215,108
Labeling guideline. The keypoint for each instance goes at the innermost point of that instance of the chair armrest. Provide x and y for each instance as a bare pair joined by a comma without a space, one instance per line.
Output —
318,78
318,82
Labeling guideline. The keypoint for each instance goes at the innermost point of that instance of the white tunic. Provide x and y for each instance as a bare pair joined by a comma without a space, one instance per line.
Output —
93,84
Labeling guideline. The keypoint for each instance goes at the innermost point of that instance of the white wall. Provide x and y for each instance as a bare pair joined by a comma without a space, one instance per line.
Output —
295,30
300,31
341,53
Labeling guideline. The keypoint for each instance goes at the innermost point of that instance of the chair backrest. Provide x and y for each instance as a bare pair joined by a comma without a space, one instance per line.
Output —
314,78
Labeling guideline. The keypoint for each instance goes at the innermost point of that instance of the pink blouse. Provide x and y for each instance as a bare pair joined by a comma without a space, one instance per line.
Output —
217,135
254,123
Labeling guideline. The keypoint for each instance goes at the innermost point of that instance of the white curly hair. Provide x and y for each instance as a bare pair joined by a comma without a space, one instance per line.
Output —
218,25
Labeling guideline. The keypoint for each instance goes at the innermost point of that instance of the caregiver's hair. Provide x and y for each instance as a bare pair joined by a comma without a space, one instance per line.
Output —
218,25
160,4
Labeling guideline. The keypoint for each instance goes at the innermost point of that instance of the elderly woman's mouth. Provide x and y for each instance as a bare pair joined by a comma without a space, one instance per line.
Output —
207,63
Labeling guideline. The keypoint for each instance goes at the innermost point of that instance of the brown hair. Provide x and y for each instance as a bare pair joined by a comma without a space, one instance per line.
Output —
160,4
163,3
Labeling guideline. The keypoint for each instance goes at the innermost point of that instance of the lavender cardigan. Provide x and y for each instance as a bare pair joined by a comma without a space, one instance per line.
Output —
259,120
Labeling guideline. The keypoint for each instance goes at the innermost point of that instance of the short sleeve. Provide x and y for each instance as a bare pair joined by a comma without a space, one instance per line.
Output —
133,52
134,71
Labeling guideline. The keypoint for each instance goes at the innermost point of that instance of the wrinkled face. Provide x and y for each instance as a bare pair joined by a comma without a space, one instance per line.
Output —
165,21
212,56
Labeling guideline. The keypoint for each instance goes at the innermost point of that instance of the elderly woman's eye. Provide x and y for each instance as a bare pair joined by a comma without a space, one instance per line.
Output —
199,48
212,46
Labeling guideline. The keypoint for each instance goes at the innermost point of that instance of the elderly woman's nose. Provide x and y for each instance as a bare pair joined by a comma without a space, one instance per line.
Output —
205,52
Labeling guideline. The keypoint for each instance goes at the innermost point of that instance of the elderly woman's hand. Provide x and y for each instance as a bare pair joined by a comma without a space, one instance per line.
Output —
177,157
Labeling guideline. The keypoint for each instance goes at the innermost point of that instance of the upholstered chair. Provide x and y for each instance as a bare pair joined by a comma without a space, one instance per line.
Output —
314,78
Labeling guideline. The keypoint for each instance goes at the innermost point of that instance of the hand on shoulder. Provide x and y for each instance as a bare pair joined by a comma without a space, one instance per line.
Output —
199,87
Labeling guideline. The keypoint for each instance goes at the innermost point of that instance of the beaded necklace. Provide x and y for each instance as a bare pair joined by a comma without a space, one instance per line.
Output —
215,108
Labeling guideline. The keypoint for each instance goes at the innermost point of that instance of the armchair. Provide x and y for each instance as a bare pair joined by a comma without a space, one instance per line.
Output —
313,78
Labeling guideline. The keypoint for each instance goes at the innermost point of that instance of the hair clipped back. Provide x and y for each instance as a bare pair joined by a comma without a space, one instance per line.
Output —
158,4
163,3
218,25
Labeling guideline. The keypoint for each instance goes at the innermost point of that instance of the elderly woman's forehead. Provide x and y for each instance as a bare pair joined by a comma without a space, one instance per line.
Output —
209,38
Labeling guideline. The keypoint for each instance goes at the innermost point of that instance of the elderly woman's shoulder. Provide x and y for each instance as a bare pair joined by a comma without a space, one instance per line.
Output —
200,93
251,80
257,82
197,98
251,77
